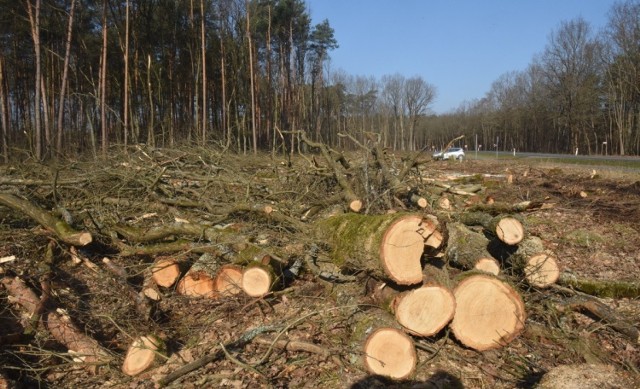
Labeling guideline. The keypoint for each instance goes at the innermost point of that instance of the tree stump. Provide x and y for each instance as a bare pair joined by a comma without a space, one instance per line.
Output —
143,353
489,313
426,310
388,246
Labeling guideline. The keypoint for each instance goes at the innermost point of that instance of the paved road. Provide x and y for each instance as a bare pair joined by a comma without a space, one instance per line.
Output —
502,154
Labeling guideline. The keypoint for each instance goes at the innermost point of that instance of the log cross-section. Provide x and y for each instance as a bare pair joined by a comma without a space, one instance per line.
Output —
489,313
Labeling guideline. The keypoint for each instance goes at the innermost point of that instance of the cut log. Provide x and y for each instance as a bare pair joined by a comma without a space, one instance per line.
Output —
262,276
388,246
143,354
488,265
467,248
507,228
489,313
228,281
540,267
165,271
84,348
199,280
426,310
390,352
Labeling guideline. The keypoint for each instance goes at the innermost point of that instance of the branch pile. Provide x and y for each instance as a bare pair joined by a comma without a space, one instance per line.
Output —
158,236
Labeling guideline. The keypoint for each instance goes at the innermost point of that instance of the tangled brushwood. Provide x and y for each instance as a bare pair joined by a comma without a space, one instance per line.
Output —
174,267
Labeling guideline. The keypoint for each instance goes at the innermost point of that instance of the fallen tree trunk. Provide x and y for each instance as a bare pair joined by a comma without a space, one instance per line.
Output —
489,313
83,348
601,288
388,246
59,227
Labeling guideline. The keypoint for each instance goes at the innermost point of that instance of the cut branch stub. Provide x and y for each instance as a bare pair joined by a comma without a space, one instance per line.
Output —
489,313
426,310
465,247
391,353
143,353
488,265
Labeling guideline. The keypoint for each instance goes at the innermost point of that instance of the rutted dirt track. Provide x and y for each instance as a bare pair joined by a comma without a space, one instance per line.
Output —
589,219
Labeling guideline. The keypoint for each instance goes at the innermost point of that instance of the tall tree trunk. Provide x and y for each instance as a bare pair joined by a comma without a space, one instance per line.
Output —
204,73
150,137
126,78
103,81
4,119
251,78
65,75
34,19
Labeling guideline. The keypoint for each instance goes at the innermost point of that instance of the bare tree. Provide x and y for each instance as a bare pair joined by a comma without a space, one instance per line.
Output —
392,92
33,11
4,120
418,95
65,73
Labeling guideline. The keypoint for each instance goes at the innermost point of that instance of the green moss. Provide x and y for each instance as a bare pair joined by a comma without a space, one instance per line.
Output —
474,179
584,238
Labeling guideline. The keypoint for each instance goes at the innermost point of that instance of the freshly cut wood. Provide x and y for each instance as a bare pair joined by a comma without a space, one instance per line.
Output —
426,310
262,276
390,352
488,265
228,281
58,226
388,246
143,353
199,280
165,271
466,248
540,267
489,313
507,228
84,348
542,270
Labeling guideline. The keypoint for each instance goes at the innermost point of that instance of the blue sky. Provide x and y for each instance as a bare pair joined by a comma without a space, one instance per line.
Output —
460,46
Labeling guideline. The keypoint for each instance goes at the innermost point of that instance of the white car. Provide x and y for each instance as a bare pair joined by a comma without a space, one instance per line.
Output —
451,153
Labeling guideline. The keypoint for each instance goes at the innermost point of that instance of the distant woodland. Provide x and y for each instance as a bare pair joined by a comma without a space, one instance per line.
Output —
85,76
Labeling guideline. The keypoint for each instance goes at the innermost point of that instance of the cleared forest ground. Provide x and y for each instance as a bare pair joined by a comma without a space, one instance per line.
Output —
302,333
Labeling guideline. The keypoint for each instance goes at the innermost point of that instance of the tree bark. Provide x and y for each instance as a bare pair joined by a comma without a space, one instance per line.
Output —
59,227
388,246
489,313
507,228
466,249
198,281
65,73
539,267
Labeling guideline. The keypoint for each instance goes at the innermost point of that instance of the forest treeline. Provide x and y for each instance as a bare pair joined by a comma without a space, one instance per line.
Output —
79,76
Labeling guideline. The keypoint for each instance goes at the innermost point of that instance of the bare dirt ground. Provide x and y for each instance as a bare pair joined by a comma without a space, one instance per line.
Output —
591,221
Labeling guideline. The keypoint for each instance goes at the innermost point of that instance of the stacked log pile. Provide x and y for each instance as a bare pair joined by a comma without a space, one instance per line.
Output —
460,265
